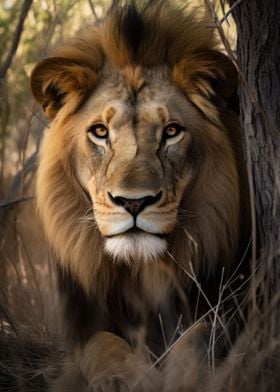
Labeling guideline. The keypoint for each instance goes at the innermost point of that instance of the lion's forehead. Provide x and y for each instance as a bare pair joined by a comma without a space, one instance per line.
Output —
117,104
133,157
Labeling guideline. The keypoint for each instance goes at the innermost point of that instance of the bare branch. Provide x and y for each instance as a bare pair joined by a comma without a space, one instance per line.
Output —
230,10
11,197
12,203
19,29
93,9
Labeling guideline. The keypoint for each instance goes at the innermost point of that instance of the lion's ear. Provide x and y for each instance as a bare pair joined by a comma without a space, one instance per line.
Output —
210,74
55,79
224,76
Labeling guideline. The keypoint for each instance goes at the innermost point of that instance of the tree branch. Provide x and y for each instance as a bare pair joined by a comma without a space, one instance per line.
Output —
19,29
12,203
93,9
230,10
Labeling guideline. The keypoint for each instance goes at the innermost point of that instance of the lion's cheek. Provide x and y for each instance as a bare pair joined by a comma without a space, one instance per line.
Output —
157,222
113,224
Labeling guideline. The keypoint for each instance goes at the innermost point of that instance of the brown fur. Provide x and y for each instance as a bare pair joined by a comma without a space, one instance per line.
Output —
170,51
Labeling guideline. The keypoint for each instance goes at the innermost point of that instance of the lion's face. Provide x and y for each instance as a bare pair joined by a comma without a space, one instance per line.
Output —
139,158
134,160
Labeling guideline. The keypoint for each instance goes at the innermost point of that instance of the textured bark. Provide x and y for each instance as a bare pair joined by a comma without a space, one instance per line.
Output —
258,51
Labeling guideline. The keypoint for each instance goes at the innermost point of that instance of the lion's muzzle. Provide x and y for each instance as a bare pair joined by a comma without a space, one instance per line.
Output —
135,206
136,228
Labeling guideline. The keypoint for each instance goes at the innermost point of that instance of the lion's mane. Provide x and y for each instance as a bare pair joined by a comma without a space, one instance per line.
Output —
148,35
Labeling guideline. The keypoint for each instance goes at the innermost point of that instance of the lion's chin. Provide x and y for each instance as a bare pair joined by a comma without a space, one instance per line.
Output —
135,247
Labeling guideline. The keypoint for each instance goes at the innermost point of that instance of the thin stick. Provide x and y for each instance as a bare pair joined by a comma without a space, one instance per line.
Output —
93,9
19,29
12,203
230,11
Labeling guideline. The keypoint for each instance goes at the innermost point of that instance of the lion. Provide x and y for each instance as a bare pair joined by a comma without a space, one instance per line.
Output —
141,188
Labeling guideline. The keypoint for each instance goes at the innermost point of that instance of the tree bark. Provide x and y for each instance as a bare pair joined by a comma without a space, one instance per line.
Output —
258,43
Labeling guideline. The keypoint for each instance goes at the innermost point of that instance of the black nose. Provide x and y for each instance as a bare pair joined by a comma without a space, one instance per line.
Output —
135,206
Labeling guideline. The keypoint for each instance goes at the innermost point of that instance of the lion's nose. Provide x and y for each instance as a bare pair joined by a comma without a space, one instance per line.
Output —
135,206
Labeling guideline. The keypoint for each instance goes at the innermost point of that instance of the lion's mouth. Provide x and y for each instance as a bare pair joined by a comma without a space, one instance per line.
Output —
134,231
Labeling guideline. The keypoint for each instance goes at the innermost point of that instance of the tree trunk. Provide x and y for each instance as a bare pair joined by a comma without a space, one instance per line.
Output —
258,52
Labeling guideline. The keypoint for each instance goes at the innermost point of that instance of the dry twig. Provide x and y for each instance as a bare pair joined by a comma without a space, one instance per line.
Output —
229,12
93,9
19,29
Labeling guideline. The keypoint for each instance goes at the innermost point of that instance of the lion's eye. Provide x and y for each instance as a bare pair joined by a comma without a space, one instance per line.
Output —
172,133
98,132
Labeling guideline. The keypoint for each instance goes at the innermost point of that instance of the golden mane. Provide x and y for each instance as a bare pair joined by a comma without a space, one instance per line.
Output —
146,33
149,35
